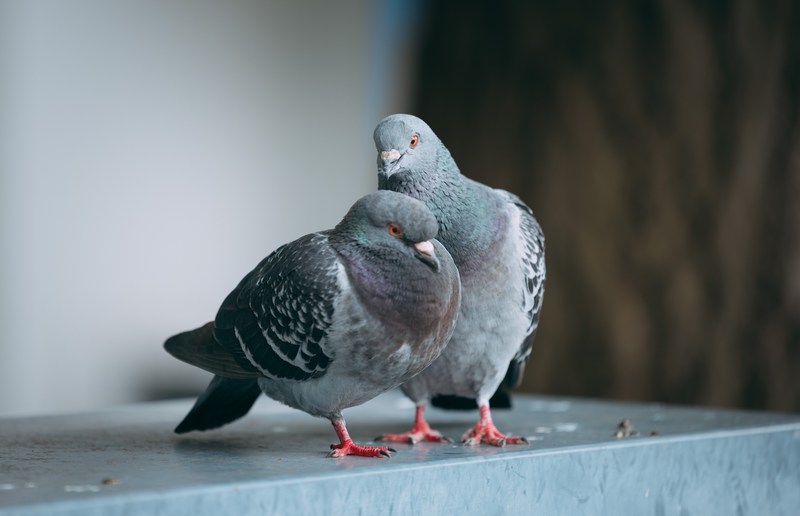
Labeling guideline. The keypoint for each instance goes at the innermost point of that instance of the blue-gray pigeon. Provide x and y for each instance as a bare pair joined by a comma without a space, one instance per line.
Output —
330,320
498,248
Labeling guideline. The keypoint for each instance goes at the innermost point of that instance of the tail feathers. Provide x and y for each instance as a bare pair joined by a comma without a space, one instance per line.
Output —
199,348
224,401
452,402
500,400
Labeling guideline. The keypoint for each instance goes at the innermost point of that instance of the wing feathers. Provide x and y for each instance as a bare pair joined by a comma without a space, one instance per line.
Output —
533,266
278,317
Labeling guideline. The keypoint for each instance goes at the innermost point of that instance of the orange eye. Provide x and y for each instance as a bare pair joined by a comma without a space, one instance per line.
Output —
394,229
414,141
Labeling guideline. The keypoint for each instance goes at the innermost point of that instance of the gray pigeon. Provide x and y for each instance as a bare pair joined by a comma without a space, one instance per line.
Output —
498,248
330,320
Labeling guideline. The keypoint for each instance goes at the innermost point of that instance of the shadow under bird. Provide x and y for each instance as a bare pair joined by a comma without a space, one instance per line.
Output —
498,248
330,320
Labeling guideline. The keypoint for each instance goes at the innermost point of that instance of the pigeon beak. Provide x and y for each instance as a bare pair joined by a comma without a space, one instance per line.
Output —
424,251
389,160
392,154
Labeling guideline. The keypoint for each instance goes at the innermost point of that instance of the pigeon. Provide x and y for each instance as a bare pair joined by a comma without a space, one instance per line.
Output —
498,247
330,320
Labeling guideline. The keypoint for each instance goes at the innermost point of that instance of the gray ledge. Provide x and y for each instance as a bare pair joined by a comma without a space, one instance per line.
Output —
127,461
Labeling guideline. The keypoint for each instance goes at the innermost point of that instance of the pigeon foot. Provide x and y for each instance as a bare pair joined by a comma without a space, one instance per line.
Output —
421,431
484,431
489,435
415,436
348,447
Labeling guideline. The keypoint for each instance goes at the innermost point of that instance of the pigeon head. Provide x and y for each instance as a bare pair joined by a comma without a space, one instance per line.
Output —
406,143
392,222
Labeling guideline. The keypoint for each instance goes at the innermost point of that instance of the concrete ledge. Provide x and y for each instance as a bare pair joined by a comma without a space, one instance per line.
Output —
128,461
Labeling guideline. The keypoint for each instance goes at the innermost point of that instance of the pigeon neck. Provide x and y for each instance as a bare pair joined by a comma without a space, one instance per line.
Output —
464,209
466,218
395,288
467,214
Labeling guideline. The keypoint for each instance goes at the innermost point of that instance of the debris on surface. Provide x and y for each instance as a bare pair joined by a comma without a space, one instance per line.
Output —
625,429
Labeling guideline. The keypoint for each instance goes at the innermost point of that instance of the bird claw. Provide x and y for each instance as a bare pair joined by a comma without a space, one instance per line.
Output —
386,452
488,434
415,436
470,441
348,447
476,440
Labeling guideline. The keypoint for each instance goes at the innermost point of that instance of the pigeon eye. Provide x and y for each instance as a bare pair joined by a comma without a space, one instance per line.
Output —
414,141
394,229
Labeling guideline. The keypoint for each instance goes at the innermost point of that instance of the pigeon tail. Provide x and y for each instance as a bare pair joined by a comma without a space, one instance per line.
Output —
224,401
500,400
199,348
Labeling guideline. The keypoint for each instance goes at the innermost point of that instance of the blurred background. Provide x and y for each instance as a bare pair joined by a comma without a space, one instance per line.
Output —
151,153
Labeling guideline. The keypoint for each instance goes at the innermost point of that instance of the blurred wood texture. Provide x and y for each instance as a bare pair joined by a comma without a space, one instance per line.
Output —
658,145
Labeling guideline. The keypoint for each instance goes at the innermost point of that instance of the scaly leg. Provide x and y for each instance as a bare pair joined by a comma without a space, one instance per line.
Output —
484,431
348,447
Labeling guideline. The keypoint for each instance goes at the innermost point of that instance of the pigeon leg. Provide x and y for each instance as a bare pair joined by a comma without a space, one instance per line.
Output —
348,447
484,431
421,431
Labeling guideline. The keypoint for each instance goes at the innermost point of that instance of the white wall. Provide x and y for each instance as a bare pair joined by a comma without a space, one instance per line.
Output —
152,153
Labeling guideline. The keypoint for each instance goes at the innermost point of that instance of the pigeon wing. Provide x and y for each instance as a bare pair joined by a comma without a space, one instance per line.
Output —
276,320
533,265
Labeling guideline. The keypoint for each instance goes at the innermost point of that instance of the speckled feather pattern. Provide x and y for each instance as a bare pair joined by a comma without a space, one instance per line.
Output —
278,316
531,241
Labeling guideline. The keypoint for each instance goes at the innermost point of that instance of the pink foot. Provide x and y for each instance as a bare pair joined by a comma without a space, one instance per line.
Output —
484,431
348,447
421,431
